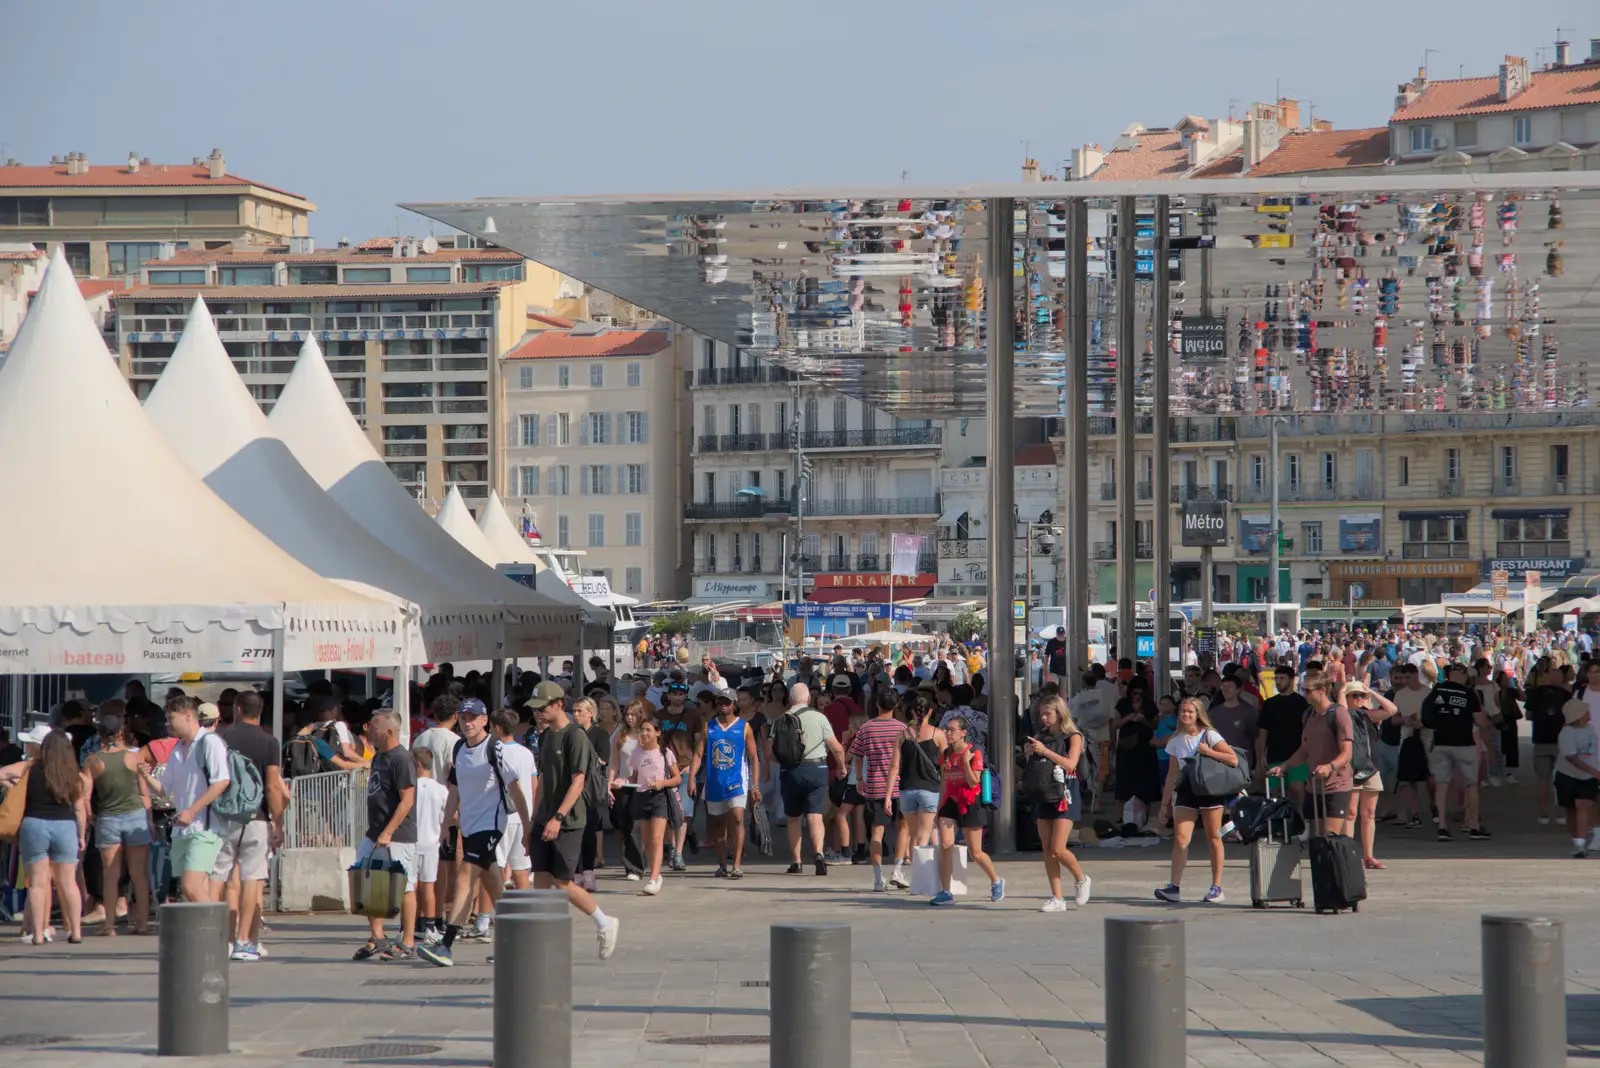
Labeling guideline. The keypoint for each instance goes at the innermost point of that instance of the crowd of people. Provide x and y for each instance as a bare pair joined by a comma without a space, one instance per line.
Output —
865,757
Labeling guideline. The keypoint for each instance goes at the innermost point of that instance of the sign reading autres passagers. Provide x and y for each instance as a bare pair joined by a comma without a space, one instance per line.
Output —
1203,340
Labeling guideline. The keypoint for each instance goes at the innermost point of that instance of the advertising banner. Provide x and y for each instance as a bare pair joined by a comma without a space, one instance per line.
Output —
1360,533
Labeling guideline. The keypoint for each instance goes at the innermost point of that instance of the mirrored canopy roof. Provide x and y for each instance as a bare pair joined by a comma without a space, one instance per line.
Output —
1402,294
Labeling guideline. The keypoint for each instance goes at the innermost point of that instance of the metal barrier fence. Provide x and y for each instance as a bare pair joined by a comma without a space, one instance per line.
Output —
326,810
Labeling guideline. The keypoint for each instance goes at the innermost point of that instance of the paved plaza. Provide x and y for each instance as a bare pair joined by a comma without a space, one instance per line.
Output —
977,984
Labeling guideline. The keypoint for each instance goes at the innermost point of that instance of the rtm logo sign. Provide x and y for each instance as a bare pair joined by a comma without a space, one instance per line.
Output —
1205,523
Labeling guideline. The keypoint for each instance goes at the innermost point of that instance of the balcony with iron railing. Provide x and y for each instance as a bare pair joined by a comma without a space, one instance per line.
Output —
1221,492
1108,491
1180,431
1105,550
1144,491
900,437
867,562
757,507
836,562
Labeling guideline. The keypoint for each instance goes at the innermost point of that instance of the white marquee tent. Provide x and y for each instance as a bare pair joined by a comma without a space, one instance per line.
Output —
502,534
161,575
203,409
455,519
312,419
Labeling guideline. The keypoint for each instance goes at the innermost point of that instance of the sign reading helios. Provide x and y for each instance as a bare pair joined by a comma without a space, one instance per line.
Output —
1205,523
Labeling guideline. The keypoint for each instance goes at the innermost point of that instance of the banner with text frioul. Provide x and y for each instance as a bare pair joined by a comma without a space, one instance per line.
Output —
904,549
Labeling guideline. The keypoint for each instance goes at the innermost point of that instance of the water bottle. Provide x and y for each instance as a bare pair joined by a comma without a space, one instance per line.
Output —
987,795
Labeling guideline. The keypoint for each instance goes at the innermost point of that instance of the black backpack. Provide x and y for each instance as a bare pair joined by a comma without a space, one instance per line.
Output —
494,763
1039,782
1362,764
788,741
300,756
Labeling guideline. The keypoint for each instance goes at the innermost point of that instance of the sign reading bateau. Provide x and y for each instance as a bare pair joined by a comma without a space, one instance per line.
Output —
1203,340
1205,523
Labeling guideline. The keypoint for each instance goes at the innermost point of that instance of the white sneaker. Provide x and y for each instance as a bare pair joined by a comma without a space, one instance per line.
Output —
1544,821
608,937
1080,888
1055,904
1495,781
1561,820
651,888
879,886
633,876
898,880
1511,779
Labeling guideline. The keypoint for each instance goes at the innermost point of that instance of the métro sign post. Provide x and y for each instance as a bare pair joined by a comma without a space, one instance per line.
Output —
1205,524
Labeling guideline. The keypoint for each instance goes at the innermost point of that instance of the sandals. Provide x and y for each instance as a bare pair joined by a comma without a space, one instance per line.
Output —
373,947
1373,865
398,951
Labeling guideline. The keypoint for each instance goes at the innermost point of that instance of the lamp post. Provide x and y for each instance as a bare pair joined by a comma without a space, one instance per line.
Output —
1047,542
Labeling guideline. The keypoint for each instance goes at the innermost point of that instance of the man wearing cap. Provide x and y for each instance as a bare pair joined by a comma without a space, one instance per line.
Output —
838,705
481,790
727,750
196,775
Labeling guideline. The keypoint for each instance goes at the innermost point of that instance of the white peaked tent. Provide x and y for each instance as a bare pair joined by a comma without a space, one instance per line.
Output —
508,544
209,418
455,518
500,540
165,576
312,419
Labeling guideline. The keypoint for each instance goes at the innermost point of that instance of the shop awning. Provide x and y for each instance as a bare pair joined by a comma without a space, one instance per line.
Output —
1530,513
952,513
1445,513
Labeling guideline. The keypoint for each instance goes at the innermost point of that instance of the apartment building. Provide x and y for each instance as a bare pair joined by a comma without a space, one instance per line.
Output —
1381,510
593,448
964,529
871,475
412,331
112,219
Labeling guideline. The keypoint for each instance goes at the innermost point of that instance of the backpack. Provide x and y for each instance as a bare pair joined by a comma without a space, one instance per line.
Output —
788,741
1088,764
1039,780
300,756
1362,764
494,762
241,801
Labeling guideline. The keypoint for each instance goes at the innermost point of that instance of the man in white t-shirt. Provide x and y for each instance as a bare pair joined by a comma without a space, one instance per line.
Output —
511,854
196,775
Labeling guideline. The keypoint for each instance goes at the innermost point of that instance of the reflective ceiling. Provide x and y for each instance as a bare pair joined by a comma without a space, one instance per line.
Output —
1460,294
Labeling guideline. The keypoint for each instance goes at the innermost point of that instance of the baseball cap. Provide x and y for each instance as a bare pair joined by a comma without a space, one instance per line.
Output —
840,682
546,692
208,713
474,707
723,697
37,734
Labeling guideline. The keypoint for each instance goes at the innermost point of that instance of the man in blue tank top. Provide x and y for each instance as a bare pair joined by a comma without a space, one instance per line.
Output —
727,751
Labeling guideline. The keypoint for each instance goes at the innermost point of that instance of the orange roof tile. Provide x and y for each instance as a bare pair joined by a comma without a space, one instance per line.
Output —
1228,166
20,254
55,176
1160,154
93,287
553,320
1568,87
1326,150
564,344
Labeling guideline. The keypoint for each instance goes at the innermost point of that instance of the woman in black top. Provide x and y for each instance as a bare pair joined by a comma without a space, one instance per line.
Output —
1138,770
920,778
1510,713
53,832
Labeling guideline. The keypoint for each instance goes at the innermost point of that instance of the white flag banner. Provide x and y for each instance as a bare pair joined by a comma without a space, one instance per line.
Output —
903,552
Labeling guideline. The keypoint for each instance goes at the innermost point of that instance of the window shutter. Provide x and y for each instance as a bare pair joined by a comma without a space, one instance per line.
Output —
605,429
550,429
583,429
644,478
644,428
605,478
583,481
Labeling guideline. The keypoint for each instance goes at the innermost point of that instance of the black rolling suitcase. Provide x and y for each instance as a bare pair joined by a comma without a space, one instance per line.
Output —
1338,880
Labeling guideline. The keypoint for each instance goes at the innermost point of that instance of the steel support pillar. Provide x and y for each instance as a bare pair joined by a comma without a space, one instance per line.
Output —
1000,411
1127,355
1160,450
1075,423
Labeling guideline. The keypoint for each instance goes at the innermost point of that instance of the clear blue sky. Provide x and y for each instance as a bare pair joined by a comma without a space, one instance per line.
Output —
361,104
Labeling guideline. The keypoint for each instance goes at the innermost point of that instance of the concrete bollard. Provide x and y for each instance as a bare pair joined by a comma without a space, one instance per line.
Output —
533,991
1524,992
1146,1009
192,1001
810,995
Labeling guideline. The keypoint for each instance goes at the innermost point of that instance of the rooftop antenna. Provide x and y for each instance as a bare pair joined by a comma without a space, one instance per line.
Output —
1231,102
904,175
1027,150
1426,52
1311,113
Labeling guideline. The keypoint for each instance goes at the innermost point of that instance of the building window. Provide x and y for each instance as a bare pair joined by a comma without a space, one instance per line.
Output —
597,428
708,420
633,580
405,433
633,478
711,487
1508,466
1466,134
529,425
597,479
1292,468
635,375
1258,472
1311,537
811,415
633,528
429,274
563,376
165,278
563,429
735,423
1452,465
841,413
1435,538
525,377
597,375
1403,476
1330,470
126,257
529,482
314,274
24,211
560,481
354,276
597,530
492,272
1422,138
1522,130
636,428
563,532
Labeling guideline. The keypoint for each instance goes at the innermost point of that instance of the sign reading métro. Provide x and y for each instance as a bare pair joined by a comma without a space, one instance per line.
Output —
1205,523
1203,340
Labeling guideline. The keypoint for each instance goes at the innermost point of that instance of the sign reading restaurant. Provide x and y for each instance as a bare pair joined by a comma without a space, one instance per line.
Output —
1517,567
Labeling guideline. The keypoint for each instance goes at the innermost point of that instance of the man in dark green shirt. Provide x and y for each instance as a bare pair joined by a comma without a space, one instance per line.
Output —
565,759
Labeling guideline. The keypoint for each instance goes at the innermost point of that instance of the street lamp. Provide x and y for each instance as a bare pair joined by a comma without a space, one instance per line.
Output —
1047,542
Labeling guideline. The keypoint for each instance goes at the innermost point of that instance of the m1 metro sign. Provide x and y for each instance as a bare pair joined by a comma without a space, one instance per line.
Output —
1205,523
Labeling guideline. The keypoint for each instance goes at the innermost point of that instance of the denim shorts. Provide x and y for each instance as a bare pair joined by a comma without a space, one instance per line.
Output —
123,829
919,801
38,839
